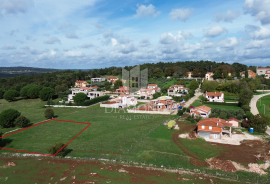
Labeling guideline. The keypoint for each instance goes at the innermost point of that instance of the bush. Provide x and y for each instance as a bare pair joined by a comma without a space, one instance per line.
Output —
46,93
239,116
188,110
79,97
33,92
184,109
96,100
22,122
249,115
246,108
223,115
156,95
1,94
57,146
10,95
213,115
193,85
187,97
259,123
49,113
180,113
8,117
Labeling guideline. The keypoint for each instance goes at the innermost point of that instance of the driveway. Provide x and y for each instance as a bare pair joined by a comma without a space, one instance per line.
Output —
253,103
188,103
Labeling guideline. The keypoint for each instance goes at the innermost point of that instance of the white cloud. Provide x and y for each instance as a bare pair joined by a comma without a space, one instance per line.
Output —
229,42
8,47
228,17
108,33
255,44
186,35
144,42
99,26
86,45
15,6
52,40
166,38
258,32
63,26
114,42
181,14
71,35
146,11
74,53
260,9
214,31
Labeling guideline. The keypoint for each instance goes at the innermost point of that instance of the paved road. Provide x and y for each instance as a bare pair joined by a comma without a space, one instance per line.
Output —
188,103
253,103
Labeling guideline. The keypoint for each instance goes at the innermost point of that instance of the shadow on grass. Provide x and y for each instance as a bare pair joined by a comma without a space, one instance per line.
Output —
68,151
5,142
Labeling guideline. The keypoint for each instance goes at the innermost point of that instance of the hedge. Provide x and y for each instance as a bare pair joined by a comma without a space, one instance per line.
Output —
95,100
222,103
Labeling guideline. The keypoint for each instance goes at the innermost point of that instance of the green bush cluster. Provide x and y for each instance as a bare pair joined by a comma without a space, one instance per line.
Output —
10,95
227,114
8,117
49,113
193,119
30,91
57,146
96,100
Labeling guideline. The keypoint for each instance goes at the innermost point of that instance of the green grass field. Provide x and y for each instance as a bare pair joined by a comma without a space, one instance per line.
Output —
197,103
264,100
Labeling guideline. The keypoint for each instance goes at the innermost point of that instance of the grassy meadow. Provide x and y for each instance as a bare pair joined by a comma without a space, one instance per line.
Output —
197,103
264,100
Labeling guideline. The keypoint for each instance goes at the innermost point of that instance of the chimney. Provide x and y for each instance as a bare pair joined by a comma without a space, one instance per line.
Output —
215,92
219,120
217,124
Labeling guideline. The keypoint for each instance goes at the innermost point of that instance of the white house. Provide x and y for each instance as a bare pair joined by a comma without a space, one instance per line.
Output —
209,76
233,121
121,101
214,96
97,79
203,111
151,89
91,93
177,90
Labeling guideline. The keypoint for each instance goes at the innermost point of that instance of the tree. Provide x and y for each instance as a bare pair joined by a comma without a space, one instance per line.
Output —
185,72
181,82
196,72
1,94
117,84
245,96
33,92
168,71
60,89
107,85
249,115
8,117
209,85
46,93
10,95
246,74
157,73
49,113
259,123
23,92
22,122
57,146
177,71
218,74
193,85
156,95
80,97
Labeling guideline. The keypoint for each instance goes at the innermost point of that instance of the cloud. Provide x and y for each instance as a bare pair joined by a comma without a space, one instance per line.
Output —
99,26
63,26
255,44
181,14
214,31
258,32
146,11
74,53
186,35
259,9
15,6
86,45
52,40
114,41
71,35
126,48
228,17
12,32
144,42
31,50
108,33
229,42
28,37
8,47
166,38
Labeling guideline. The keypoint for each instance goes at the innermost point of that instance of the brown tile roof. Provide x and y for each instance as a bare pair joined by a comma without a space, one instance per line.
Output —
79,81
233,119
213,94
202,108
152,84
215,122
112,78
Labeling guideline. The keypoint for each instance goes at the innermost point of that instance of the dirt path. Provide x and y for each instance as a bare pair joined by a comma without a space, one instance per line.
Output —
195,159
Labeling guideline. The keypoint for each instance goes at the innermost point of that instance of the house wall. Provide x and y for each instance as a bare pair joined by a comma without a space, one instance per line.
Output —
234,123
214,129
209,135
215,99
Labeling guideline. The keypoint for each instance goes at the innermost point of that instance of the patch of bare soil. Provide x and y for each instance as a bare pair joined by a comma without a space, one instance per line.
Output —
226,165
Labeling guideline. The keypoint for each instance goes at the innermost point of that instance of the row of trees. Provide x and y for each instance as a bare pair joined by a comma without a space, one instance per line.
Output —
11,118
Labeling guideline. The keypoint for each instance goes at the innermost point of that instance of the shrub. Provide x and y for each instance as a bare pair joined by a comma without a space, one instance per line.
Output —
46,93
239,116
49,113
240,112
57,146
223,115
249,115
23,92
96,100
79,97
1,94
216,111
246,108
193,85
180,113
22,122
1,134
8,117
156,95
259,123
10,95
213,115
33,92
188,110
184,109
187,97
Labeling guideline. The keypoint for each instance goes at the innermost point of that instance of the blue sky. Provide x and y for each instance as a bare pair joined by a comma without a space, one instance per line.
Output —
87,34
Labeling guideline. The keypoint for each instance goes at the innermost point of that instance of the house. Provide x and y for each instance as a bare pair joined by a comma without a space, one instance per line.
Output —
123,89
213,128
122,101
112,79
97,79
123,81
90,92
152,86
177,90
209,76
203,111
214,96
80,83
151,89
189,74
251,74
234,122
163,102
263,71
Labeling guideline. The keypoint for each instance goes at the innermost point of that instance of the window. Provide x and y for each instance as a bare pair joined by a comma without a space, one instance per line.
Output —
210,127
202,126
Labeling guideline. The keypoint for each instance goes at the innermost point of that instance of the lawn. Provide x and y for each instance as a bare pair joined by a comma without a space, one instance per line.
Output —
261,92
197,103
264,108
231,98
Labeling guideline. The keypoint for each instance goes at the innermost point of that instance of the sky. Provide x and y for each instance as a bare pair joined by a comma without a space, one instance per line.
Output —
87,34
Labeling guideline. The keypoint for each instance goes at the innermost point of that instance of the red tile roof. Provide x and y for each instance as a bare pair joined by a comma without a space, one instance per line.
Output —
213,94
202,108
233,119
263,68
152,84
79,81
112,78
215,122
